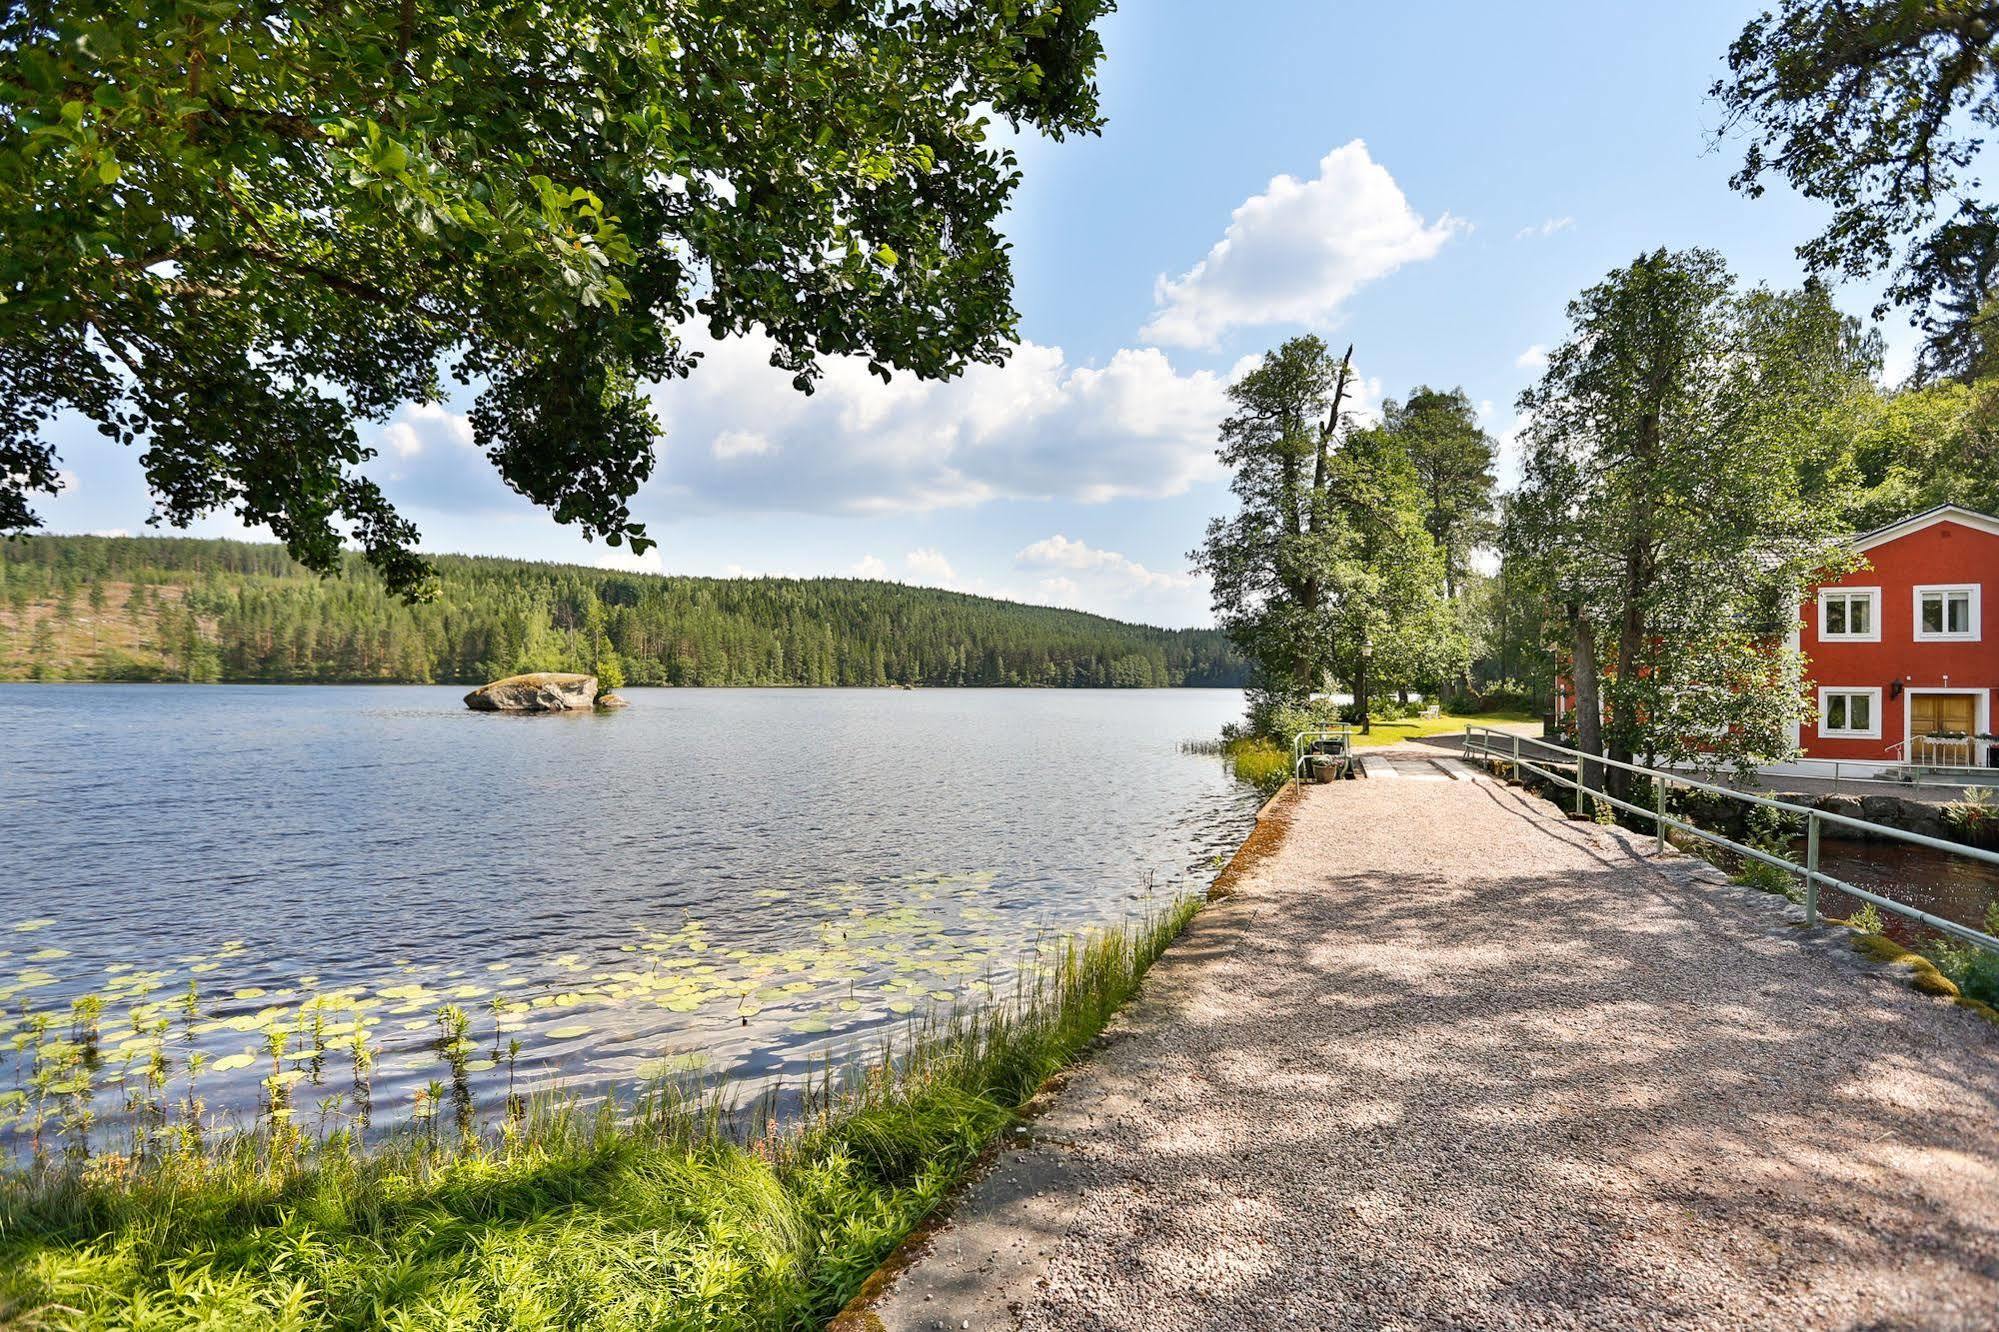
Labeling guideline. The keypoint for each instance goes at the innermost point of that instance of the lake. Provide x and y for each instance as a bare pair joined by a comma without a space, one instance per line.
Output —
730,881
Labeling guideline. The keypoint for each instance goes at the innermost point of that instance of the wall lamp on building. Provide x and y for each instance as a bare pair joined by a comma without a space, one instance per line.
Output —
1894,689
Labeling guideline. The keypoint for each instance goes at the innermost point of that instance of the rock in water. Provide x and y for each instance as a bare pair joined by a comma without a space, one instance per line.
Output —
543,691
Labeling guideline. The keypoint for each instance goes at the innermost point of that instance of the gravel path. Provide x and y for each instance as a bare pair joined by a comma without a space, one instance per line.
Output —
1447,1060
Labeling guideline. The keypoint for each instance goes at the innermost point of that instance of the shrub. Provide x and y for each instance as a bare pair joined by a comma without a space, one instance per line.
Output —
1260,763
610,674
1493,700
1975,817
1974,970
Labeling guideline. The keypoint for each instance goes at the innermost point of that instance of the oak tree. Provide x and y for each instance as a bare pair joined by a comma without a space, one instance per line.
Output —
234,230
1666,507
1879,108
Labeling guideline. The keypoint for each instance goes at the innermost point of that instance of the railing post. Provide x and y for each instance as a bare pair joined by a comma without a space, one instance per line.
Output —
1582,784
1516,760
1659,810
1812,870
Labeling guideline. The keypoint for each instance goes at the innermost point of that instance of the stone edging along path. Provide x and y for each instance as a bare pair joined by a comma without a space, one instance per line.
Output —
1444,1059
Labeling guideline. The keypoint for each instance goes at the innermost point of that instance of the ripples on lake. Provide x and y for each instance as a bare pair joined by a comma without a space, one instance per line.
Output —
735,881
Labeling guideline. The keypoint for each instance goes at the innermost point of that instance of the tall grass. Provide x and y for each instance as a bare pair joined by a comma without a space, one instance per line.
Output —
1260,763
670,1212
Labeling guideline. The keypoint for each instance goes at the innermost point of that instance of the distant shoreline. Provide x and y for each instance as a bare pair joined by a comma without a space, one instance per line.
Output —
628,689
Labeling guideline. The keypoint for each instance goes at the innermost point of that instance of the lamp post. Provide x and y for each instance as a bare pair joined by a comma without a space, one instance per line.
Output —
1360,694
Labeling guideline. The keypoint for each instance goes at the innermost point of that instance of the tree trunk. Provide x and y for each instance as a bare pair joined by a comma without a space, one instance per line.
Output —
1630,646
1360,698
1585,677
1327,432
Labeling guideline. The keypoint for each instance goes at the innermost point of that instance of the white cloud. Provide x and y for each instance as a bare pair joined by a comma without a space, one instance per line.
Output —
1547,227
928,567
1485,409
1059,552
113,532
419,422
1078,574
1508,463
1534,358
869,567
1059,591
402,439
1297,251
67,483
1038,427
740,444
623,560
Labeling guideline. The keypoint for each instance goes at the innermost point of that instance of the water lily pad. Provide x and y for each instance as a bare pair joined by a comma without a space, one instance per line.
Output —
569,1032
230,1063
38,923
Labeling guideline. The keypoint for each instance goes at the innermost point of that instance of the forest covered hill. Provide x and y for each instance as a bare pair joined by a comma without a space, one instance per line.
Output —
165,608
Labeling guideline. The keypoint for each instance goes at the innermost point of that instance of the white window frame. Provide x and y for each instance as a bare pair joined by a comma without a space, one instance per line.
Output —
1873,696
1938,589
1873,597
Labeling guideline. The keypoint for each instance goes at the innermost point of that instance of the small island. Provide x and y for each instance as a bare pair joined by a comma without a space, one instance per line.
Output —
540,691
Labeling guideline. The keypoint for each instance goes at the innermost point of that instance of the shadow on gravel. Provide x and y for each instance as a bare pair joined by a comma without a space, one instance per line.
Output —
1580,1098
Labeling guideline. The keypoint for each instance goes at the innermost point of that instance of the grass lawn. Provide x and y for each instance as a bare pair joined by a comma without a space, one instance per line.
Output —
1416,728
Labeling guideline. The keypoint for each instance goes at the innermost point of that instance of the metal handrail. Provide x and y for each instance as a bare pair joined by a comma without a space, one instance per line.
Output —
1343,731
1483,737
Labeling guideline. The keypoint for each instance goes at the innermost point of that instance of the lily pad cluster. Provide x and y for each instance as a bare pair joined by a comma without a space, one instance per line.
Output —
209,1039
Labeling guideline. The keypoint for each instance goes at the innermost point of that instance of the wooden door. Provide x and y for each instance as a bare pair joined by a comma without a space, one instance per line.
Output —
1949,714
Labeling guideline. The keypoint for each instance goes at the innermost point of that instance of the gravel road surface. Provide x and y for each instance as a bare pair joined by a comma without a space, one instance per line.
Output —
1445,1060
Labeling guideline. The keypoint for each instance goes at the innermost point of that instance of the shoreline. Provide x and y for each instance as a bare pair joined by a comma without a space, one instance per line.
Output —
1366,1047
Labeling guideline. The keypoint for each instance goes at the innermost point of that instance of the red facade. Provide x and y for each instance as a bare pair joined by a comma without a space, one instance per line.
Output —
1903,655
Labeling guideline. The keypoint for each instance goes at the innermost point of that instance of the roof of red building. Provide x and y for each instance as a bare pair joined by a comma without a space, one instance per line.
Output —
1983,522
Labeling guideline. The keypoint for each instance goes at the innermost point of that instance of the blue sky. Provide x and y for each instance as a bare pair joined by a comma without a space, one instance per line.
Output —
1430,182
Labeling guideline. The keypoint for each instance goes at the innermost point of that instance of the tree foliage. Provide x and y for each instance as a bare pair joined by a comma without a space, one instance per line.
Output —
1452,457
233,231
1878,107
185,609
1327,568
1667,511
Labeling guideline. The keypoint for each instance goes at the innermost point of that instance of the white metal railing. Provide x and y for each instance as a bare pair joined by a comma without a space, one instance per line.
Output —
1887,772
1342,733
1507,747
1933,756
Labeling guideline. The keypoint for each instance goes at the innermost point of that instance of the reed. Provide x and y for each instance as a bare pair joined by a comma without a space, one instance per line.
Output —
673,1208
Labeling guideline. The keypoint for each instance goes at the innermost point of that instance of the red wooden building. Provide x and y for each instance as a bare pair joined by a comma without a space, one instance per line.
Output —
1903,663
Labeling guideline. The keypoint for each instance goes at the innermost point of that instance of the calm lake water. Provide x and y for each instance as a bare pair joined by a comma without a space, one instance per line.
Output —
1956,888
735,880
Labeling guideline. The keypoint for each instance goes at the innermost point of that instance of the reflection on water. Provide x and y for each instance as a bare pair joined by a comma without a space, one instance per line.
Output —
737,881
1956,888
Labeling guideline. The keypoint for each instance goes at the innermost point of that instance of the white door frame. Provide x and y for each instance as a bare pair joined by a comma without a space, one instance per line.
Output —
1981,715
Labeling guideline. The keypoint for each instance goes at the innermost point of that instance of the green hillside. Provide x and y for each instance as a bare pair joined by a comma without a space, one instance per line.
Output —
160,608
